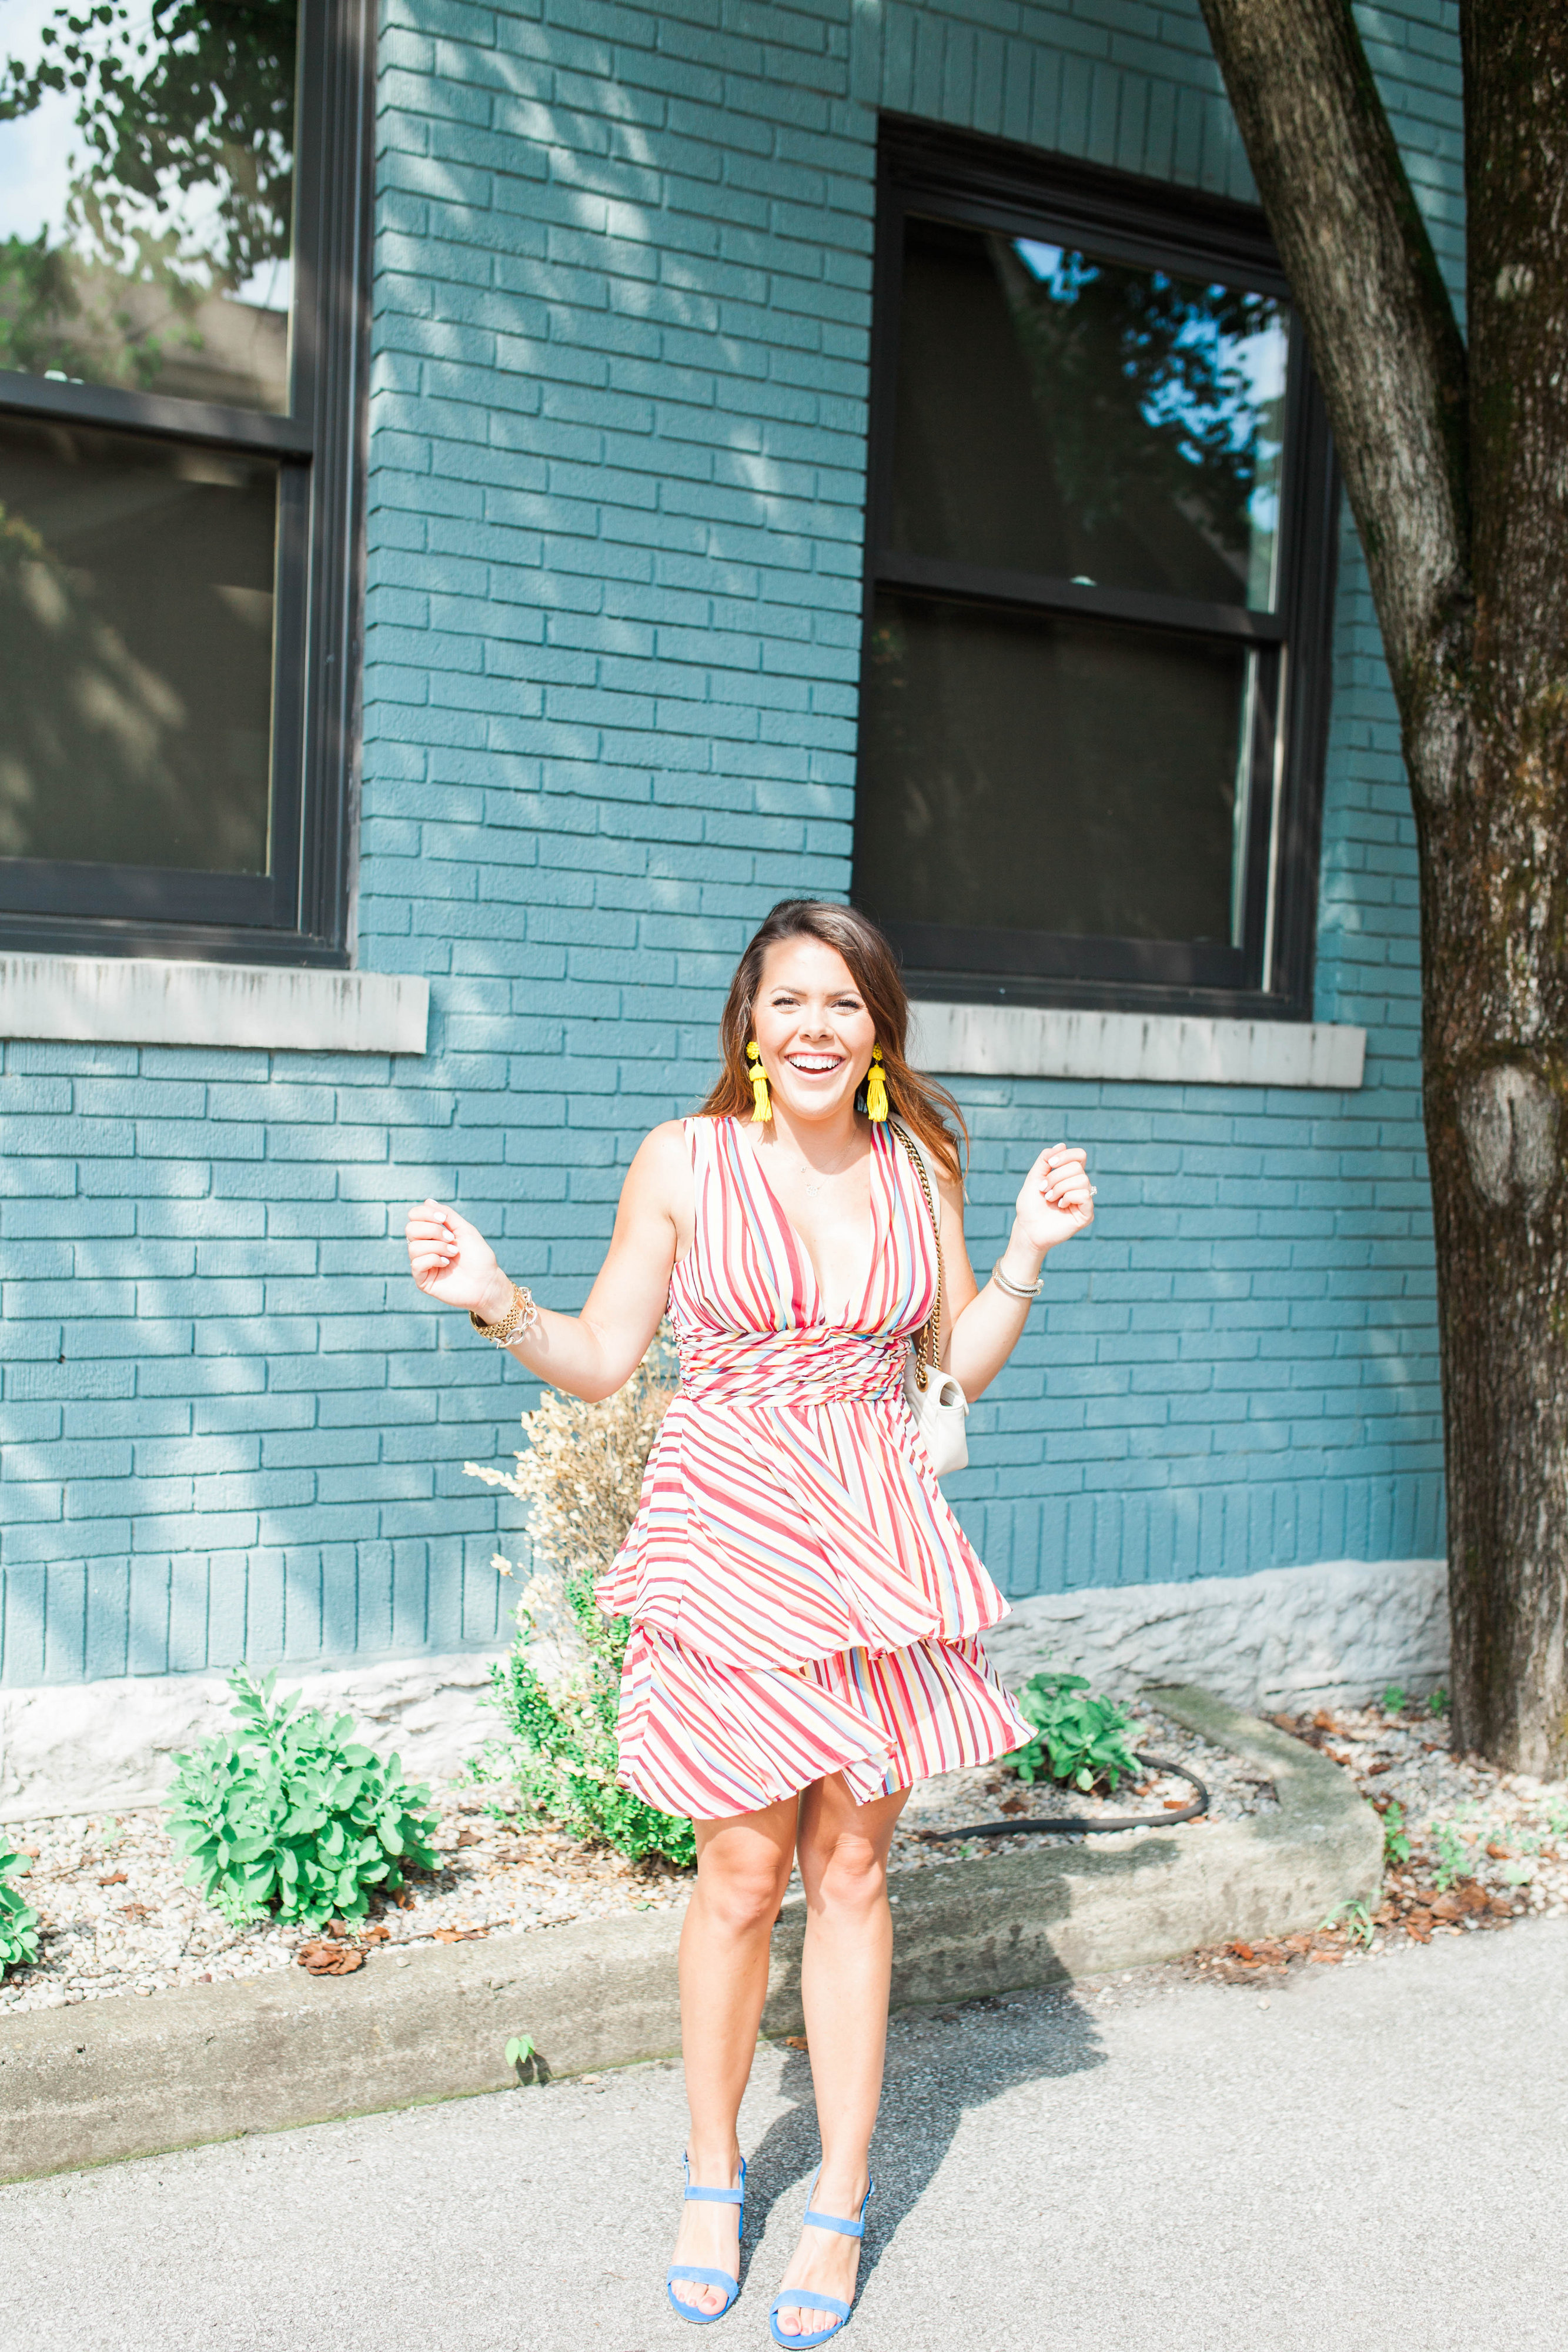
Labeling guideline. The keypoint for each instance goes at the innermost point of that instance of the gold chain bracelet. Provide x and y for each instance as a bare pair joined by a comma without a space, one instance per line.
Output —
521,1317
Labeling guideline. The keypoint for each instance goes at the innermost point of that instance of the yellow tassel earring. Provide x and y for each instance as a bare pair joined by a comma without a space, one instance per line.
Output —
876,1088
761,1100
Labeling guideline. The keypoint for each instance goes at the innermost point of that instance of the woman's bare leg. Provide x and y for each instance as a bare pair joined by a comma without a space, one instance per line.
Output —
844,1975
742,1869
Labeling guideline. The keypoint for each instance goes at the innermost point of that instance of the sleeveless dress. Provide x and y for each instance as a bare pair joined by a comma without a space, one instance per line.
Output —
803,1600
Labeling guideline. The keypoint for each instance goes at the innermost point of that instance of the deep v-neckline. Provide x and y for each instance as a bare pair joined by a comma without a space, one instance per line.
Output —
852,1305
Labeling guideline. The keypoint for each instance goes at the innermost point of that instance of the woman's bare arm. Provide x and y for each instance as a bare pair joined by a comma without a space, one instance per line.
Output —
593,1354
981,1327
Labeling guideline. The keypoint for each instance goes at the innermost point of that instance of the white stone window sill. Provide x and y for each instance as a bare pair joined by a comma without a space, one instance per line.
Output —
138,1000
1027,1041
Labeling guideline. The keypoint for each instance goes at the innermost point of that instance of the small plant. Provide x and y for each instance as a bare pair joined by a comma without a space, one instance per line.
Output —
1437,1702
1395,1841
523,2059
18,1920
559,1689
1393,1698
1356,1920
292,1815
1078,1738
1453,1857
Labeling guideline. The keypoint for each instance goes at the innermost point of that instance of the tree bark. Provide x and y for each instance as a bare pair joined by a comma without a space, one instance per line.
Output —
1457,469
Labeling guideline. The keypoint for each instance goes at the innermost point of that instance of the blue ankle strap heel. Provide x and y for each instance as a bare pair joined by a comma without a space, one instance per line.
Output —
802,2298
695,2270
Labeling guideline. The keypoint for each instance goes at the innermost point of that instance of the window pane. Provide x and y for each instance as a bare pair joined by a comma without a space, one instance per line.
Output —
136,607
146,196
1046,775
1063,414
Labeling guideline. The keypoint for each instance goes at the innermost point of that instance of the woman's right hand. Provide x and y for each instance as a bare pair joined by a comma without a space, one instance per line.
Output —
451,1260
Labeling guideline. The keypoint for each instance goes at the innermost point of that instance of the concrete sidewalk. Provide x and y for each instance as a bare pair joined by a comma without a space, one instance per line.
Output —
1375,2161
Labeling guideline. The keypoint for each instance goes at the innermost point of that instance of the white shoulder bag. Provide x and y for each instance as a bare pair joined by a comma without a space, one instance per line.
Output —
933,1396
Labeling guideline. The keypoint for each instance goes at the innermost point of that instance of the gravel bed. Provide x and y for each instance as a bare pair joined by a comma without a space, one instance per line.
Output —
1469,1824
1487,1847
957,1799
117,1918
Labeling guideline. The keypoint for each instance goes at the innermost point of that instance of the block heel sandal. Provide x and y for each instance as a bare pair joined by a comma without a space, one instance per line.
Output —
695,2270
802,2298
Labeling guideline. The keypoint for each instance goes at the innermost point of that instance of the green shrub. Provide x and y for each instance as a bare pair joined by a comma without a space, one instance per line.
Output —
559,1689
292,1815
18,1921
1078,1738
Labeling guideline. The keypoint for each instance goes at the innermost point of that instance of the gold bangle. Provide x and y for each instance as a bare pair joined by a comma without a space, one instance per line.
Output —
521,1317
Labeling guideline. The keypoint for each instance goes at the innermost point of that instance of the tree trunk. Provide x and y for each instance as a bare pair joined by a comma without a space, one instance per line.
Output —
1495,939
1460,492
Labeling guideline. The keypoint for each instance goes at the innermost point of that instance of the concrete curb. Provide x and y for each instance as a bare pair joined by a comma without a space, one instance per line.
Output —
104,2080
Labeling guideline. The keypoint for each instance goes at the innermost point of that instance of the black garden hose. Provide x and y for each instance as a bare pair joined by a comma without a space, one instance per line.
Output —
1070,1825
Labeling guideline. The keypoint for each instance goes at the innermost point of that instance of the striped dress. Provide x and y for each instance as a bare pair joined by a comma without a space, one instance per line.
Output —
803,1600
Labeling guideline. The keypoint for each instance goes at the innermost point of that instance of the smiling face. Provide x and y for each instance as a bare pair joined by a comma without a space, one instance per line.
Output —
812,1023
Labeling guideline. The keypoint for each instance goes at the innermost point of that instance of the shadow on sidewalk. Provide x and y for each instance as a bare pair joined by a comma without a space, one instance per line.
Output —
1024,2037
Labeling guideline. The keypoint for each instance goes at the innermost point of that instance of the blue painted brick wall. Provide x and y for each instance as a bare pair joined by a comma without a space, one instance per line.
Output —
622,312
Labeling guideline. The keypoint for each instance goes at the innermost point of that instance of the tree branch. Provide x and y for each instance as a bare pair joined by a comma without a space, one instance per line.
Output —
1381,327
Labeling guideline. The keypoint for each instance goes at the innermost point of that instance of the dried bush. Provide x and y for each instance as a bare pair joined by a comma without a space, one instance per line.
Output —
559,1688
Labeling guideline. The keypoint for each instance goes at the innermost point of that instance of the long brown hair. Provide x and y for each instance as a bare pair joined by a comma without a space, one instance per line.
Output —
928,1109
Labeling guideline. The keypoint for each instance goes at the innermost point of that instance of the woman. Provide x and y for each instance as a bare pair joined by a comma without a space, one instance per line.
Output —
805,1607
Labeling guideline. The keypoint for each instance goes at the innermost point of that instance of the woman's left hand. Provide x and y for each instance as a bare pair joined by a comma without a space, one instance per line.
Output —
1057,1200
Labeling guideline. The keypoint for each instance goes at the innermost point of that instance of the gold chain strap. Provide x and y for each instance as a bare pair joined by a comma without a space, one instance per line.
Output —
928,1338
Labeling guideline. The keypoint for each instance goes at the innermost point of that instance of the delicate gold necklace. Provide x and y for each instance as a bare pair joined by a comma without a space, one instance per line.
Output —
811,1185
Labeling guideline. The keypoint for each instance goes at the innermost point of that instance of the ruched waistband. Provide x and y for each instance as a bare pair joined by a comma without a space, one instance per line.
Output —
811,1363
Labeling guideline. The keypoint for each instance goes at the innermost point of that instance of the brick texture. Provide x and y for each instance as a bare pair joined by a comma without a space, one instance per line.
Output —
621,318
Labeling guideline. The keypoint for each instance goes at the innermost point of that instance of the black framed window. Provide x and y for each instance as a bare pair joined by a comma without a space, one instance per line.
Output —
1099,577
183,264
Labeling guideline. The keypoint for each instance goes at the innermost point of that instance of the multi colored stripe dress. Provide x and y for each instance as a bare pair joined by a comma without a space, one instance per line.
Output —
803,1600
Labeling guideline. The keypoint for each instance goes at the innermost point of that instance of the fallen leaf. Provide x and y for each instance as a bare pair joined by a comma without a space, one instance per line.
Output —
795,2041
1013,1805
1445,1908
1502,1904
1500,1852
467,1837
1175,1804
328,1959
115,1879
134,1910
459,1935
1385,1764
1420,1927
1471,1896
1324,1721
376,1935
1329,1960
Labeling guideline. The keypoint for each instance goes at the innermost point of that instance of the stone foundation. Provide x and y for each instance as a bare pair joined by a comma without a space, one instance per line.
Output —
1343,1630
1339,1631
